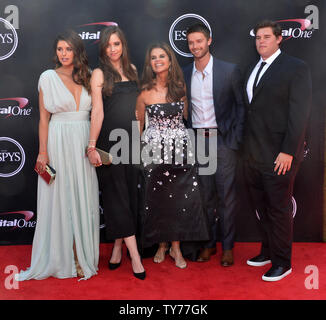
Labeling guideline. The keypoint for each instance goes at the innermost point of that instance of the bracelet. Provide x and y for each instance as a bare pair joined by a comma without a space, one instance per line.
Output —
90,149
42,152
42,155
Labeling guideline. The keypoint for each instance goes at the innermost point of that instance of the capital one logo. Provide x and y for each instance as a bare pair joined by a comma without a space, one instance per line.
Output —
12,157
14,107
293,28
8,39
14,220
90,30
299,28
178,30
294,209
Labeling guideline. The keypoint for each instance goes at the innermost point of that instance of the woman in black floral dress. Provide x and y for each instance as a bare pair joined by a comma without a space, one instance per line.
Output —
173,207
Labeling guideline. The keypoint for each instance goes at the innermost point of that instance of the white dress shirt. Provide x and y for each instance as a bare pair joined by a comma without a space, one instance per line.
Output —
252,77
202,100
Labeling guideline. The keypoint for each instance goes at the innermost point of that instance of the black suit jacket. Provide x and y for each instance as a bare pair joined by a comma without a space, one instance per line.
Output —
228,101
277,116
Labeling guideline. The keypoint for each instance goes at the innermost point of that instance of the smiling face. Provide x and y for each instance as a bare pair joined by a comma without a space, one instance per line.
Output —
114,48
266,42
160,61
65,53
198,44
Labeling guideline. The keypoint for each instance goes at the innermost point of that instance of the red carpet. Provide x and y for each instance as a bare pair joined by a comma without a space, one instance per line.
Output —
199,281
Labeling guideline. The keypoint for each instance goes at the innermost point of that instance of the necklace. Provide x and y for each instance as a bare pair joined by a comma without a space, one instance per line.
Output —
66,74
161,92
118,68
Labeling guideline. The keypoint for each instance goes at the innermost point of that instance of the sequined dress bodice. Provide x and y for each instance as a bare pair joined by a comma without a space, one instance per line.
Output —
167,135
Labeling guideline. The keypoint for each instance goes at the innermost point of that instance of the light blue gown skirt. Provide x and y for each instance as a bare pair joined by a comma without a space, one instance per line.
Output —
68,209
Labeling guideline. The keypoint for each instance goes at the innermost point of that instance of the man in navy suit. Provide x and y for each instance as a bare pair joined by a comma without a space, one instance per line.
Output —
278,97
215,107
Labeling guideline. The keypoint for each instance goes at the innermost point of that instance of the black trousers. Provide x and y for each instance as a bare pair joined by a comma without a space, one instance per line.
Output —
271,196
219,191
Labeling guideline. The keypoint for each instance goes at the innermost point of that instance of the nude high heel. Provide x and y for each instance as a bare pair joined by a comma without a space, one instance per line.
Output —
181,265
160,255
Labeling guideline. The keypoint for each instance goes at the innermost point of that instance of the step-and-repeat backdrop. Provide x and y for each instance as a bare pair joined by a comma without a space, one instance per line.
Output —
27,32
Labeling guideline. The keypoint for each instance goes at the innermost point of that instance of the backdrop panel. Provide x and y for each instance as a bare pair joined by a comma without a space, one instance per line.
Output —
27,32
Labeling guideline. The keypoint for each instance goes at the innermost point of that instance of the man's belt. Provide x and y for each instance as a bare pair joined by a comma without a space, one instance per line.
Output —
207,132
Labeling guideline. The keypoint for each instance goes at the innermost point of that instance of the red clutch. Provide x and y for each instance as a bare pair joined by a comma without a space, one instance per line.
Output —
48,175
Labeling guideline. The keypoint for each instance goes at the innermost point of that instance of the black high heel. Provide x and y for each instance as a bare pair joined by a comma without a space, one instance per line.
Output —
140,275
113,266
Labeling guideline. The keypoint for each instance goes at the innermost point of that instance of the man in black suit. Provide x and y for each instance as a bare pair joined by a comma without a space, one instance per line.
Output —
278,98
215,109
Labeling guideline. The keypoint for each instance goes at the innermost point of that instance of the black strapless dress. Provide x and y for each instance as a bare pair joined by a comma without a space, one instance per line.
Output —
173,208
118,182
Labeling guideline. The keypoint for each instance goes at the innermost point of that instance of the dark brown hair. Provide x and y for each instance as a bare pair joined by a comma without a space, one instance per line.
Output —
175,81
199,27
110,74
276,28
81,73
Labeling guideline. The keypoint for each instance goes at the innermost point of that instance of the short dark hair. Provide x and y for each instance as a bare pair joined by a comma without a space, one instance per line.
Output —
199,27
276,28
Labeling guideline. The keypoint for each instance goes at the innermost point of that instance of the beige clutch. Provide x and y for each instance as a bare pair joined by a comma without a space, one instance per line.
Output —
106,157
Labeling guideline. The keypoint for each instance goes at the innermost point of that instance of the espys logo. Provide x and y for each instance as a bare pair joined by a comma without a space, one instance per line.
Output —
178,29
12,157
14,107
13,219
293,28
94,33
294,209
8,39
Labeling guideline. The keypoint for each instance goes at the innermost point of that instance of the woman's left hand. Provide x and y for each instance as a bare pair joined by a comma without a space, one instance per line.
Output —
93,157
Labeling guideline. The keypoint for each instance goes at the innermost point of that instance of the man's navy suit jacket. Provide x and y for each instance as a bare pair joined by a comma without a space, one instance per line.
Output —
228,102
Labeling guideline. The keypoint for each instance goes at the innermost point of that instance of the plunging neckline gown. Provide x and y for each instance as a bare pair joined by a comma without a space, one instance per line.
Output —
68,209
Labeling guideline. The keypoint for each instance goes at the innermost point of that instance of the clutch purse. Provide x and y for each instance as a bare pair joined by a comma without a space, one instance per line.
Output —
106,157
48,175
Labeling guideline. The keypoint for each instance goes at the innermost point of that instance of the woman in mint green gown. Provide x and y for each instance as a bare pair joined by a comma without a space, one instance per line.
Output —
66,240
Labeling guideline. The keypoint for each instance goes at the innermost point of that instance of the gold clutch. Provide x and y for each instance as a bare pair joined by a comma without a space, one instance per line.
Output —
106,157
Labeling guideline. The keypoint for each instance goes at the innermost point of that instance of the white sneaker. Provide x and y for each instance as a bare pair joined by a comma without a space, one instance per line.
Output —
276,274
258,261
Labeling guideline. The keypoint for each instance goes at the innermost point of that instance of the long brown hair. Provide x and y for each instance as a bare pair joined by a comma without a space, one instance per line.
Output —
175,80
110,74
81,73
